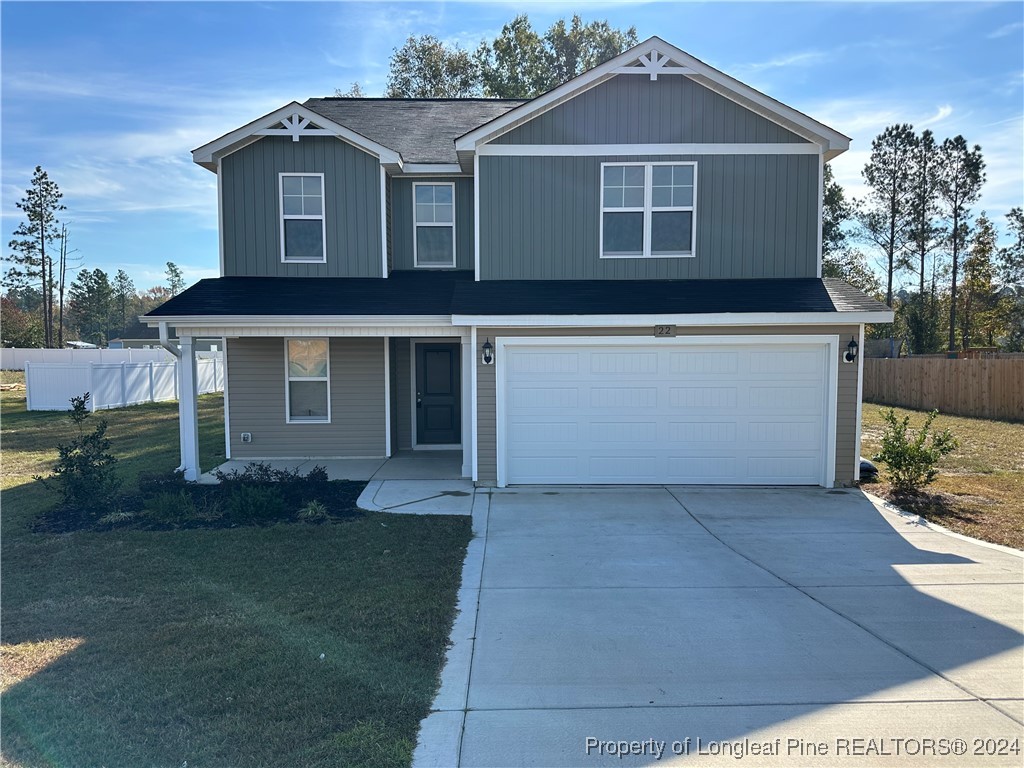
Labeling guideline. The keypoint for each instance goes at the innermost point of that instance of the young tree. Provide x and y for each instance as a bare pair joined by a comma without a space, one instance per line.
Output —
175,281
961,174
92,305
20,328
355,91
885,216
978,299
426,68
32,248
123,296
1010,269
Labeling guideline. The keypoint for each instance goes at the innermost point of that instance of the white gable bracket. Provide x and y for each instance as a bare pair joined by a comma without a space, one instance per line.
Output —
653,64
296,126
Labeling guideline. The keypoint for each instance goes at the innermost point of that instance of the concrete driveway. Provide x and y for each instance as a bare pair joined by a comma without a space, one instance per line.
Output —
668,626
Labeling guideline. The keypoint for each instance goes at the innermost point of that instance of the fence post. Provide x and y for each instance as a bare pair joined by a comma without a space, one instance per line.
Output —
92,386
28,390
152,393
124,383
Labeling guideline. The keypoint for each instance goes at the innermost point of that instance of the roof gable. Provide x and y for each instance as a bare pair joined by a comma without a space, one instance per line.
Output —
655,58
292,120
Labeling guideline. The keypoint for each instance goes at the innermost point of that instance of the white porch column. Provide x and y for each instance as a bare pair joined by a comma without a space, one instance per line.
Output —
468,366
188,410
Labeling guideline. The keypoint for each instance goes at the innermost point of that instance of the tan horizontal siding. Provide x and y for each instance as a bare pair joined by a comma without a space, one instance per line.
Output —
256,391
847,449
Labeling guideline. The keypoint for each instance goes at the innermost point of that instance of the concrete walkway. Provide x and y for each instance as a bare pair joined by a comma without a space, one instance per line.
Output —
726,627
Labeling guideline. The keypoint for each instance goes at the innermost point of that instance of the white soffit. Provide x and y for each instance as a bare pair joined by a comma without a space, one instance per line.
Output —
295,121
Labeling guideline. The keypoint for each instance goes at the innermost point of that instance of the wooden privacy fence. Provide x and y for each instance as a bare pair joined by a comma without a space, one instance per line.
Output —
989,388
50,386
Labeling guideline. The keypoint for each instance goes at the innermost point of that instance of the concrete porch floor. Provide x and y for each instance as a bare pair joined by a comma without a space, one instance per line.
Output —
404,465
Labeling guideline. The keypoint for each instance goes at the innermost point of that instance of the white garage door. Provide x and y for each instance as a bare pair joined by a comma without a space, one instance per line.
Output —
723,413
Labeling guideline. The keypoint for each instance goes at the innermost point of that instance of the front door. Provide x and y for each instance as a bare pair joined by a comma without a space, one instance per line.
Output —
438,412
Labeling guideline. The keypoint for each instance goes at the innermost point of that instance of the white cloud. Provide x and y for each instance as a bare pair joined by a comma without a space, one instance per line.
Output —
804,58
941,114
1006,29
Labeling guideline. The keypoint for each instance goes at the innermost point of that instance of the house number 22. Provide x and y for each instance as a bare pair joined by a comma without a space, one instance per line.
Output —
664,330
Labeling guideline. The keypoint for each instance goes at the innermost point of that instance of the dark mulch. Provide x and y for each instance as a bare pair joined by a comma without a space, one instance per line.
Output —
167,503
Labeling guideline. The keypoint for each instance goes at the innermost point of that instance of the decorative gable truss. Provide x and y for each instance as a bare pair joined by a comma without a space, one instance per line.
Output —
654,63
298,122
296,126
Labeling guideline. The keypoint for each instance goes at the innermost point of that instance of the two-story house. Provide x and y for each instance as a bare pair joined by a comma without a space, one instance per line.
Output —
618,281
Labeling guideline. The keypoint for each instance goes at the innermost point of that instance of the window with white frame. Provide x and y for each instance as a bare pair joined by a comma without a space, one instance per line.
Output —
647,209
303,229
433,224
307,380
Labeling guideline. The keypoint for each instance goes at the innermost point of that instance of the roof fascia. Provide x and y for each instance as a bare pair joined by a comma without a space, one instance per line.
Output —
832,142
709,318
208,154
263,321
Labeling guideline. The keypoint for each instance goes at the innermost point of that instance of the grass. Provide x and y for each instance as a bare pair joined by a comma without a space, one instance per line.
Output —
980,488
143,648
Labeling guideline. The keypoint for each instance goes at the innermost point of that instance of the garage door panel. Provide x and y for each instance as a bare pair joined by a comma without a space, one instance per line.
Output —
665,414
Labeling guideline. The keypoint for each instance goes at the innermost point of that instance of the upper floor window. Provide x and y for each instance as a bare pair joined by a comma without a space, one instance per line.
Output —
307,380
647,209
303,229
434,224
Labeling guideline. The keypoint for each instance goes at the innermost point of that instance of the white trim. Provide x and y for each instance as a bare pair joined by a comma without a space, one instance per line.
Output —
466,369
821,209
282,217
829,342
383,221
259,321
628,150
227,407
433,169
633,321
833,141
648,211
220,215
387,395
288,381
209,153
474,413
416,224
476,227
413,343
860,403
188,409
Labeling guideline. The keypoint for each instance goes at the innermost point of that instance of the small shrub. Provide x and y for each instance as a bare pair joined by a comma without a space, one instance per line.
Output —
254,504
317,475
193,504
153,483
116,518
257,472
313,512
84,472
911,459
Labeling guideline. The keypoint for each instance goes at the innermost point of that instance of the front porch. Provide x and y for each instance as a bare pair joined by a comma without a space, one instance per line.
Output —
404,465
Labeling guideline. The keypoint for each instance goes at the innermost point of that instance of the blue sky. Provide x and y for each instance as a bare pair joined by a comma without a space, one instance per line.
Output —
111,97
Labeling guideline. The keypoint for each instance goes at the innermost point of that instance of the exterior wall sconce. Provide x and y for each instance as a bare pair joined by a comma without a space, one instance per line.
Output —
488,353
851,351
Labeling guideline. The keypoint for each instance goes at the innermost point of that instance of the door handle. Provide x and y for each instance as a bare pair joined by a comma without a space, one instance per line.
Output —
419,400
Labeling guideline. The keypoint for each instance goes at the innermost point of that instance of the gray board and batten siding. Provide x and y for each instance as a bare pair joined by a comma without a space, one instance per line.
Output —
402,219
256,391
632,109
756,216
251,207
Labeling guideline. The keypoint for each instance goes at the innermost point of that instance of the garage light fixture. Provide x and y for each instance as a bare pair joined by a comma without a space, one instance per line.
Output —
851,351
488,350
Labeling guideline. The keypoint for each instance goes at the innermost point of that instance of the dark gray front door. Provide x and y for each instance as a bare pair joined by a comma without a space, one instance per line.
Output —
437,395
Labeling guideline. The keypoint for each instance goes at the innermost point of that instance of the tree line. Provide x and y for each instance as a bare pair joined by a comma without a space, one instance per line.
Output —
42,306
937,265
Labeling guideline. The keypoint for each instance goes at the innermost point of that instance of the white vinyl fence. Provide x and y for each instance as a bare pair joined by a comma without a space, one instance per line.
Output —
50,386
14,358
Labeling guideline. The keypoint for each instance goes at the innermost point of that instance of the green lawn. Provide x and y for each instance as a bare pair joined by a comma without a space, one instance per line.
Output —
980,489
143,648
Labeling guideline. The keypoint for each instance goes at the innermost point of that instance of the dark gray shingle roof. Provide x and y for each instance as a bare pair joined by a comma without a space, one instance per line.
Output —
422,130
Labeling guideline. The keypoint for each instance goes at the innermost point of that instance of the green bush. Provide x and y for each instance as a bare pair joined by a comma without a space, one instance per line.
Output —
182,507
255,504
84,472
911,459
